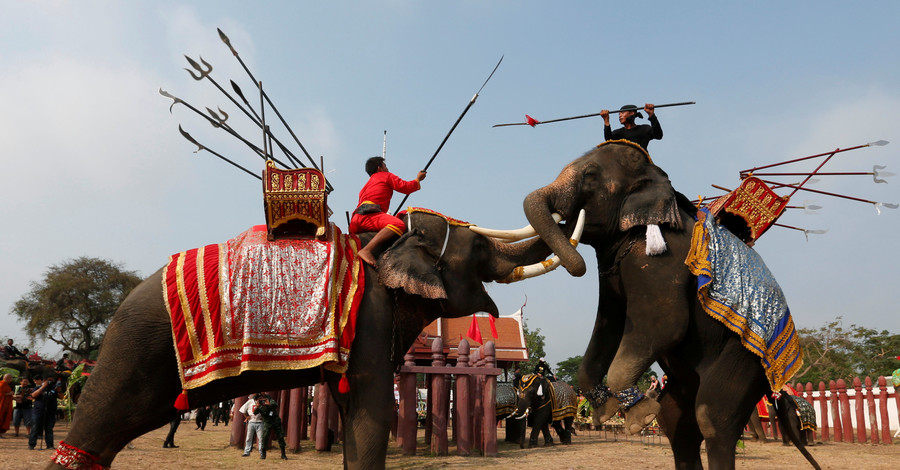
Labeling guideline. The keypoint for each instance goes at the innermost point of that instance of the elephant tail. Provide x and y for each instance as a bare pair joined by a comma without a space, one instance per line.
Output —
784,406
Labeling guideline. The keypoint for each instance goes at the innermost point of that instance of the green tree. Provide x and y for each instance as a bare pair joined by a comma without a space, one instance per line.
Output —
833,352
534,343
567,370
74,303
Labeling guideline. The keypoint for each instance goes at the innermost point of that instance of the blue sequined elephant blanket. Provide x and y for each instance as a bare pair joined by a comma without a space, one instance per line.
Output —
736,288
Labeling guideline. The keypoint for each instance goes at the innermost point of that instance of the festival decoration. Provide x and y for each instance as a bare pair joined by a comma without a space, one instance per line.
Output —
755,206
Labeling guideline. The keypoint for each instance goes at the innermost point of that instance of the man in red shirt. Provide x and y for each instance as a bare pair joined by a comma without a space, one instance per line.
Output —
374,202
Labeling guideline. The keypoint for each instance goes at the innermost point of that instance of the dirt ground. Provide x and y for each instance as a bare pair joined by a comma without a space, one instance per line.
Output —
590,449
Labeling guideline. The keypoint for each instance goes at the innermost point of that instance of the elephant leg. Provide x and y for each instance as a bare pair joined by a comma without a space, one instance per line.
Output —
678,422
728,389
654,322
564,436
756,427
545,430
533,438
367,408
134,386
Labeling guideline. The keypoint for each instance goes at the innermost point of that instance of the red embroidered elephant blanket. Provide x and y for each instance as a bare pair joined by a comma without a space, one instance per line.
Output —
253,304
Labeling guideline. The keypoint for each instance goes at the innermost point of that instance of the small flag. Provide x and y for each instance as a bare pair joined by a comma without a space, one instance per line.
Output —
474,331
531,121
493,327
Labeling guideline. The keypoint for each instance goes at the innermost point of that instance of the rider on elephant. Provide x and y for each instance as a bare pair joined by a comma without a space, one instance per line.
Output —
641,135
13,352
543,369
374,202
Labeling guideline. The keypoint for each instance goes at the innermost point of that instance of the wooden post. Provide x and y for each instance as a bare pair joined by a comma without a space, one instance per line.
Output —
860,413
238,426
882,406
322,414
429,409
463,403
823,412
304,413
836,412
845,410
808,395
292,430
490,403
408,423
478,404
439,417
870,402
334,419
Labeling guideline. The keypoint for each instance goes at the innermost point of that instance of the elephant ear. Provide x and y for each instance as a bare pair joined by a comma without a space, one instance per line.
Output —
410,264
653,204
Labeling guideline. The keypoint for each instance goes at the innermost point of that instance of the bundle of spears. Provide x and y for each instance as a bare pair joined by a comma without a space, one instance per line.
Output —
218,119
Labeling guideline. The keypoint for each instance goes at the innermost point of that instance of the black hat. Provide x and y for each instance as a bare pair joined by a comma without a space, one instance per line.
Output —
631,107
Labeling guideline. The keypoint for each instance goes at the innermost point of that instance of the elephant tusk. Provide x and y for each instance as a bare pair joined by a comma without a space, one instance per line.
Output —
525,272
524,415
510,236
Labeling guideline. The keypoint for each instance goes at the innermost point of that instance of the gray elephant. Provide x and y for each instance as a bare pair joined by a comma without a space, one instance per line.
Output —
438,267
544,404
648,305
801,418
506,407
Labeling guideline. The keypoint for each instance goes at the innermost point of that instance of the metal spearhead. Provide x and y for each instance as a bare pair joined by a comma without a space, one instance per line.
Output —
202,73
226,41
219,119
191,139
810,208
888,205
876,173
237,89
175,99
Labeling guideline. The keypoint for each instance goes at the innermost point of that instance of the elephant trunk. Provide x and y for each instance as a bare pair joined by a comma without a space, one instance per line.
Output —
558,196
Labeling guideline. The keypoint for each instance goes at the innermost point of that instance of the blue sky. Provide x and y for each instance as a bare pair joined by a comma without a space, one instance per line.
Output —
93,164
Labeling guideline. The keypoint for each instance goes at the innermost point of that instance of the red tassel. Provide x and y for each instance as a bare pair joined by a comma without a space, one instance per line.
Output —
344,384
181,403
531,121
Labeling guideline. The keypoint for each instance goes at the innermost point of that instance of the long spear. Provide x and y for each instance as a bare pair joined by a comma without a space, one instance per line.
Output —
879,143
283,122
201,147
471,102
207,74
218,122
530,121
877,204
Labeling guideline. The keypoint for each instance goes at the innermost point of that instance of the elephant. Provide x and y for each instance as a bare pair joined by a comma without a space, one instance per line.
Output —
546,404
648,305
802,421
506,406
437,268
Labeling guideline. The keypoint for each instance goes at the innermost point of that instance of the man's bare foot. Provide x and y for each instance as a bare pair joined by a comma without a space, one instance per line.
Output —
367,257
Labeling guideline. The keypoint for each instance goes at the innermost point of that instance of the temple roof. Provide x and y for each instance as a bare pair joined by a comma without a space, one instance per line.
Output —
509,344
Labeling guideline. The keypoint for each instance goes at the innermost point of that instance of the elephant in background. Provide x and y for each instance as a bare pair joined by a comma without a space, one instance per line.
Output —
648,307
546,404
435,269
802,422
506,407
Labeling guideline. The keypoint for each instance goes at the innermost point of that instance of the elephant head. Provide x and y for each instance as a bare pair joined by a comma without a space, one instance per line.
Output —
448,261
618,186
532,395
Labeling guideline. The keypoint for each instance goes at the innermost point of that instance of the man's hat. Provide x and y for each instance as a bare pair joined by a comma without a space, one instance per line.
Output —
631,107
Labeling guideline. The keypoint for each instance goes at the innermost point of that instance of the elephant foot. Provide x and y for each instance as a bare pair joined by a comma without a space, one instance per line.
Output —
641,415
607,410
532,443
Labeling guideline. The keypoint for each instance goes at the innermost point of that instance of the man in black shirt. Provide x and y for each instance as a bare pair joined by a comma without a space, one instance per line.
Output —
639,134
11,351
43,412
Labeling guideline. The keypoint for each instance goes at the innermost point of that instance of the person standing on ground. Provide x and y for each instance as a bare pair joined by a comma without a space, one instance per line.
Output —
6,403
374,201
22,411
254,425
43,414
169,443
268,409
639,134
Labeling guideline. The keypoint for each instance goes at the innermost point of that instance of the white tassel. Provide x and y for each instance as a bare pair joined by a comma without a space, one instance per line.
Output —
540,390
656,244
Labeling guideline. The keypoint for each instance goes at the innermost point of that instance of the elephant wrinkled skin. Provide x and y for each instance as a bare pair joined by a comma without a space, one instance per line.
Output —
648,307
136,381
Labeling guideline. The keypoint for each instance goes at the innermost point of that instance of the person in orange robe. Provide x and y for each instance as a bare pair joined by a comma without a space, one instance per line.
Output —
6,402
374,202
